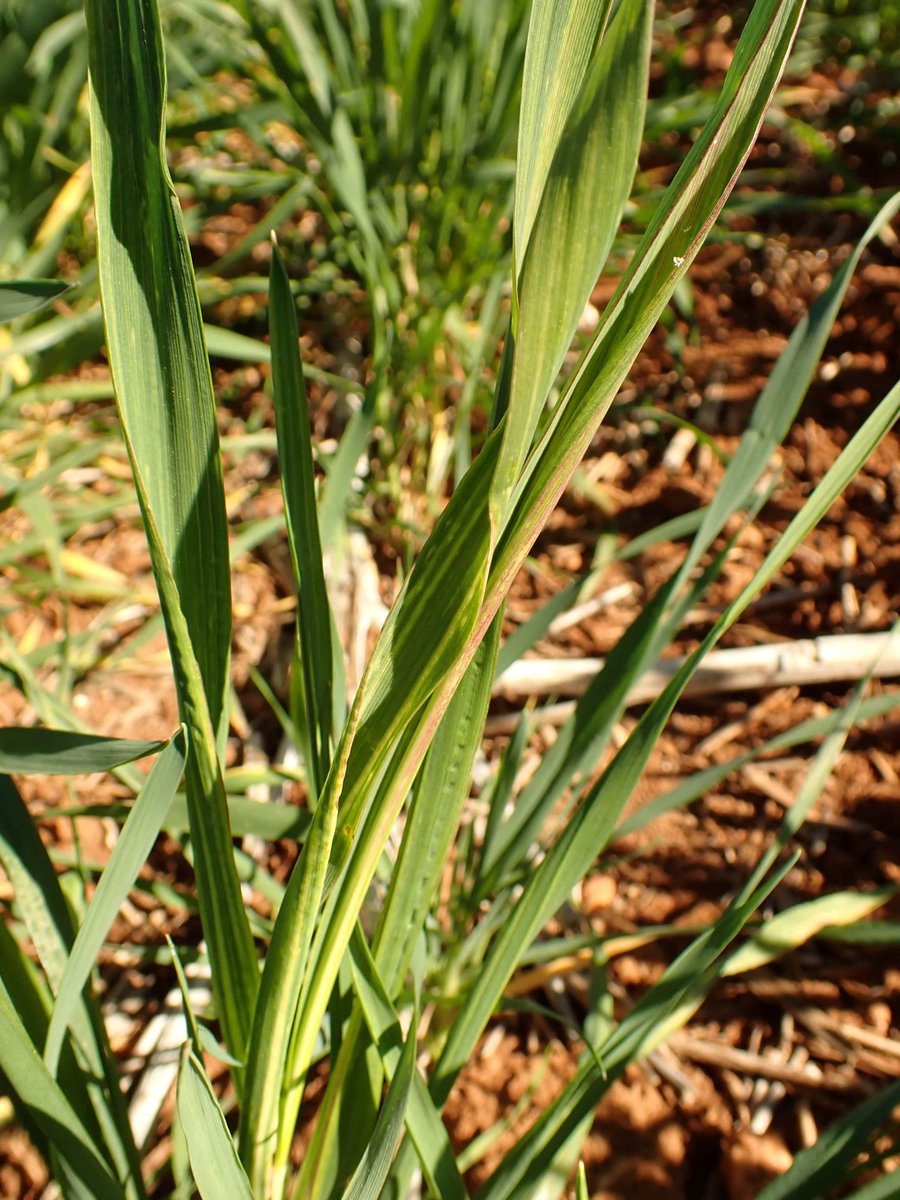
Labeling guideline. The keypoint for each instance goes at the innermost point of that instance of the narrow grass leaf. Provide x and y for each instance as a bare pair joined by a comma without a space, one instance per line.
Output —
588,183
165,399
887,1187
342,160
704,781
583,737
314,624
129,855
585,834
583,734
769,423
705,178
194,1032
63,752
865,933
656,1015
501,795
19,297
49,1108
426,1129
526,635
25,985
235,974
31,1000
310,55
344,896
537,626
43,909
39,898
780,399
822,1167
796,925
828,753
153,325
418,662
267,821
581,1186
268,1054
780,935
237,347
214,1162
337,489
370,1176
440,791
483,1143
676,233
561,39
415,652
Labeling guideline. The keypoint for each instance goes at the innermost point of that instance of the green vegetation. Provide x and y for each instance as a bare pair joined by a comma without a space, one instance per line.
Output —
410,114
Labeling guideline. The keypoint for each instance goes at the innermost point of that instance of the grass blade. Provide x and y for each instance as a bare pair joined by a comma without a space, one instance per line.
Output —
780,399
49,1108
561,38
63,752
337,488
31,1000
262,1120
887,1187
20,297
581,1187
657,1014
706,780
796,925
588,183
43,909
314,624
214,1162
417,662
818,1169
129,855
586,833
414,652
440,792
772,415
676,233
370,1176
580,741
153,325
164,394
423,1120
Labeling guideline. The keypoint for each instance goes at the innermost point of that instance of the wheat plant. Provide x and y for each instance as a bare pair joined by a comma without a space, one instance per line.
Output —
315,982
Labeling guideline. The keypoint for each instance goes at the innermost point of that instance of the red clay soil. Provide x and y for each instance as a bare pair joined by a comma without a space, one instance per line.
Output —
700,1120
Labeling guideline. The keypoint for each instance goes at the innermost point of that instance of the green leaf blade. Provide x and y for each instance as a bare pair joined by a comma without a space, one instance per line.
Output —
20,297
678,228
560,40
588,183
292,426
823,1166
214,1161
153,325
128,856
161,374
51,1111
372,1172
63,752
